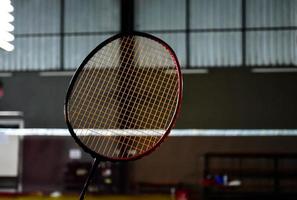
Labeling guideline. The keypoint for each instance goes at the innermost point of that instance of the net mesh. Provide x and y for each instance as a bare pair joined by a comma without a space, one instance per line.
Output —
125,97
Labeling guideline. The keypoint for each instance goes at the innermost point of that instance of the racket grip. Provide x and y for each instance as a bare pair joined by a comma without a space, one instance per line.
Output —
93,169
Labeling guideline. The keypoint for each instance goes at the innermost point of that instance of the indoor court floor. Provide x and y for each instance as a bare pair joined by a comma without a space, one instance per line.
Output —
88,197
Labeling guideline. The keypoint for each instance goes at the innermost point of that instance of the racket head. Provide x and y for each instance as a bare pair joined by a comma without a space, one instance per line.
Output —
73,86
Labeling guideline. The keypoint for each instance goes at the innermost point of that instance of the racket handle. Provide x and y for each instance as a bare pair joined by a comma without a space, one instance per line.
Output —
93,169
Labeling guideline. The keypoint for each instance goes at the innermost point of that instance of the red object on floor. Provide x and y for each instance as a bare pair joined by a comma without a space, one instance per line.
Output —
1,89
181,194
1,92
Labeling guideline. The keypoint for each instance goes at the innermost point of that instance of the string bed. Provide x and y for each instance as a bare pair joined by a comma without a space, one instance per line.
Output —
125,97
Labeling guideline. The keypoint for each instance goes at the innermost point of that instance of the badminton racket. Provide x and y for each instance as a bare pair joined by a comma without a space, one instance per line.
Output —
124,98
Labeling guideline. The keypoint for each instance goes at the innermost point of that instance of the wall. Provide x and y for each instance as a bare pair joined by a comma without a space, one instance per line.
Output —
239,99
229,98
40,98
223,98
180,159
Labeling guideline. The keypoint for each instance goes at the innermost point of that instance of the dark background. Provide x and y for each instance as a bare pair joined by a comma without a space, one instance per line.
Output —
227,38
220,99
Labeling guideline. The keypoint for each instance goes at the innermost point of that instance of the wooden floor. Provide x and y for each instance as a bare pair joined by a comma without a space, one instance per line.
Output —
88,197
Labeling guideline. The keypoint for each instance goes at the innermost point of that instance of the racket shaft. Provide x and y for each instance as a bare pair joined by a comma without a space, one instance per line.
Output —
94,167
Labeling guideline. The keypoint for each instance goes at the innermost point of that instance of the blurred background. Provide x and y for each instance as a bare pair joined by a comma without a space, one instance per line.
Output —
236,135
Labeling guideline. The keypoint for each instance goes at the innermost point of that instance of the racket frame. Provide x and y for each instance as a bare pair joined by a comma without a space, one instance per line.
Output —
82,65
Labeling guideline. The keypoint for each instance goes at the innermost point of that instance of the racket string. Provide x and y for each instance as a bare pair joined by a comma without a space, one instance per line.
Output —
165,80
122,76
131,140
152,91
114,139
128,138
92,141
157,95
119,47
135,104
159,88
124,113
147,107
100,64
84,73
135,114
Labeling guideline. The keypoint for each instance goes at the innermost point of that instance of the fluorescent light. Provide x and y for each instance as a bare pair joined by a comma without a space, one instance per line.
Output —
274,70
57,73
194,71
5,74
6,36
6,46
7,7
5,25
6,16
